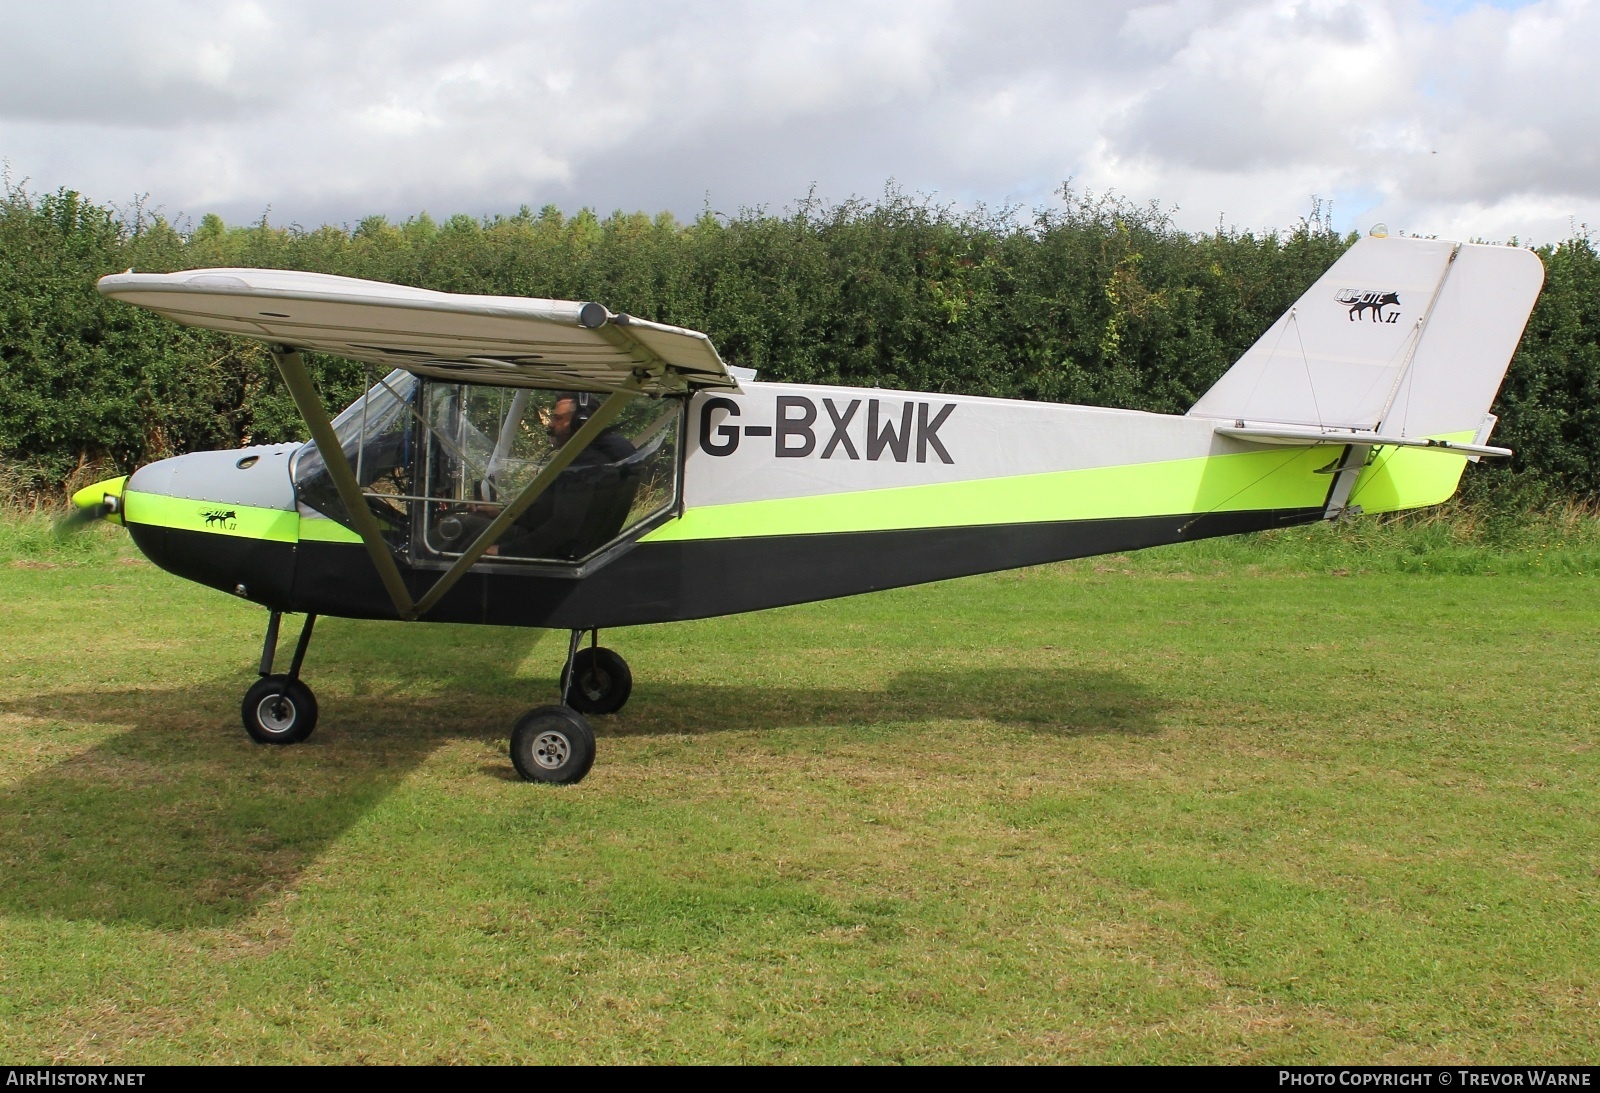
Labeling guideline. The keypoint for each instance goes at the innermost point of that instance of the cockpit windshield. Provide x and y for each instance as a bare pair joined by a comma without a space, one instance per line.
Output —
437,462
376,433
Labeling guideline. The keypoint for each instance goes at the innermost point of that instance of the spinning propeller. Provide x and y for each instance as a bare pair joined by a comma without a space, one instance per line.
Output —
101,501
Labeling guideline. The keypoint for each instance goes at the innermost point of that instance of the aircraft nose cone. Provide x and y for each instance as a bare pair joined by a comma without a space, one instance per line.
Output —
101,500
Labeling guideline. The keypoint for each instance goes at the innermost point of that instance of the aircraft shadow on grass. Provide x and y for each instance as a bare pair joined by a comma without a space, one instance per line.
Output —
181,822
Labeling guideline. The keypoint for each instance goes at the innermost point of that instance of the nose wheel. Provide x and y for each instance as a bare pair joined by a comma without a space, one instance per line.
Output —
279,709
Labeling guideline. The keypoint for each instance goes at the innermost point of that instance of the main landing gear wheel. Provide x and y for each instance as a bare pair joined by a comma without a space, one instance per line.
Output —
552,744
279,710
599,682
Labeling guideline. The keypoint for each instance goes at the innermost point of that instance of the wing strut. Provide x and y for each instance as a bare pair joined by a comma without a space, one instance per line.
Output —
563,456
293,369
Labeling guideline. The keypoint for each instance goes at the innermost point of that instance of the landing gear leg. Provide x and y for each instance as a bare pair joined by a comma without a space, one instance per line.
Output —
596,680
279,709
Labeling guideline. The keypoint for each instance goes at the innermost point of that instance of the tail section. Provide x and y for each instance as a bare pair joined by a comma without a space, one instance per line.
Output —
1397,351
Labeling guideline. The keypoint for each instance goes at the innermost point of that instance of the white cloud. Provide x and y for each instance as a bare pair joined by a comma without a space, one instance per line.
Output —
1481,121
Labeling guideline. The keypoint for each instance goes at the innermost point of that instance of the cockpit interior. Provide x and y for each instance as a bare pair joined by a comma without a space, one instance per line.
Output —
437,462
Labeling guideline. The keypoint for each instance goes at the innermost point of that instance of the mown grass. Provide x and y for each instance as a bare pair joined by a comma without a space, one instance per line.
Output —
1321,796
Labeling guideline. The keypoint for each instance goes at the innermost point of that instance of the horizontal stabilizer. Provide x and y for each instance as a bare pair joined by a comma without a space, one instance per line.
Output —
1299,435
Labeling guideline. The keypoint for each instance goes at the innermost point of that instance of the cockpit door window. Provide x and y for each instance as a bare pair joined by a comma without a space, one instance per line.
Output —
487,443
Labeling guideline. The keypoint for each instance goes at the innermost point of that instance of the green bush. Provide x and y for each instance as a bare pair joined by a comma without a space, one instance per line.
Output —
1096,301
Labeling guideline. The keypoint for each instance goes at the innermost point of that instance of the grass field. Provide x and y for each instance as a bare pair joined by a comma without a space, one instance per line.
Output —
1324,796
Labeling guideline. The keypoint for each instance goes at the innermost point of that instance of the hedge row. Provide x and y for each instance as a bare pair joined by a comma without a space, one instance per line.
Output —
1096,301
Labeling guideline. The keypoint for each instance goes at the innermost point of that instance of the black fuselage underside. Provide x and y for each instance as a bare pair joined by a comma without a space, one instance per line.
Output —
674,580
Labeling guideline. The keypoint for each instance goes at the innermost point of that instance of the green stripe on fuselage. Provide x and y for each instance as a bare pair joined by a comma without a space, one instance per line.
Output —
212,517
1277,478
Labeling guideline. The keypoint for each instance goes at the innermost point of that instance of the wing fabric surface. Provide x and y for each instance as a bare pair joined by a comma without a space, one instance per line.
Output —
504,340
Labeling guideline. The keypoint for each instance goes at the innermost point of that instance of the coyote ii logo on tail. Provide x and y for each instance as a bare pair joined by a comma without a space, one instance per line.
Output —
1359,300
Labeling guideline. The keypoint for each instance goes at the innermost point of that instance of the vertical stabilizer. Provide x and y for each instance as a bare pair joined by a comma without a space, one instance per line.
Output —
1410,337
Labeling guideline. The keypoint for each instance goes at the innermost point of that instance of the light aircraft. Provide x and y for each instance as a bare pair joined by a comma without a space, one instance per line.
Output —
525,462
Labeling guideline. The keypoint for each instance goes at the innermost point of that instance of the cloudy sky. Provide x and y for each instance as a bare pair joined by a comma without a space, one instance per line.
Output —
1452,118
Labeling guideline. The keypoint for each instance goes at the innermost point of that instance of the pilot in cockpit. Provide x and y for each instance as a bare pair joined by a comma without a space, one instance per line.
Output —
577,506
571,410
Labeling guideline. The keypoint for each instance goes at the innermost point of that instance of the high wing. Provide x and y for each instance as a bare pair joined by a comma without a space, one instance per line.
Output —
504,340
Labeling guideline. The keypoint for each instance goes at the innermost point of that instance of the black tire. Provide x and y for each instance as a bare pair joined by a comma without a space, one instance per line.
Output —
279,710
600,683
552,744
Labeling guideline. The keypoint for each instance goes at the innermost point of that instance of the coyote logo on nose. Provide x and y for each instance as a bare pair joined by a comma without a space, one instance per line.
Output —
226,517
1359,300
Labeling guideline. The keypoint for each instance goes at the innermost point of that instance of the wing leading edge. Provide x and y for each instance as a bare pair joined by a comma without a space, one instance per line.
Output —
504,340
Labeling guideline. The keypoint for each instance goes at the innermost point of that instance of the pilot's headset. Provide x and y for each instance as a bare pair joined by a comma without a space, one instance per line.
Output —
584,403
